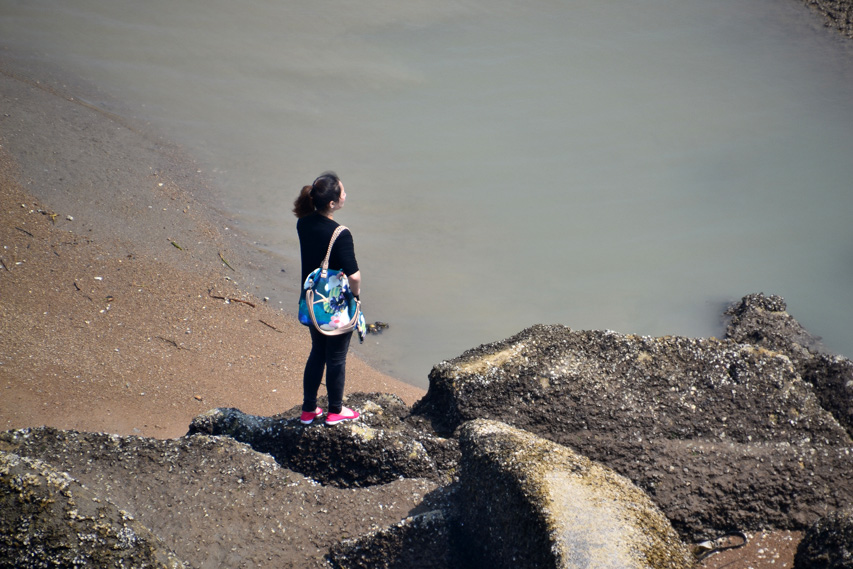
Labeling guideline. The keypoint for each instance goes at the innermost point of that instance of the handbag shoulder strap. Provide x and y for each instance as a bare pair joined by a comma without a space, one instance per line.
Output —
325,266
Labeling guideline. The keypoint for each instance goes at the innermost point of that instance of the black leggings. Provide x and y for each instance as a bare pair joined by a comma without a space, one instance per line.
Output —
329,353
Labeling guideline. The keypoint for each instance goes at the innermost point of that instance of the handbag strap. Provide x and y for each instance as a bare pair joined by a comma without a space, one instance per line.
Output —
325,266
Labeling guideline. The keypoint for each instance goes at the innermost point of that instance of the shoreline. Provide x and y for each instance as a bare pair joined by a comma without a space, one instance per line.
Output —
124,318
119,313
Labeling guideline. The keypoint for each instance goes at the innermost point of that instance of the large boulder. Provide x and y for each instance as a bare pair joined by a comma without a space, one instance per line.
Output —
828,543
48,519
764,321
555,379
216,502
525,501
722,434
378,448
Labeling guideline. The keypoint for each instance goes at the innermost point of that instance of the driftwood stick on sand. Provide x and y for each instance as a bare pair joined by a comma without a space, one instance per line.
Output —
229,299
270,325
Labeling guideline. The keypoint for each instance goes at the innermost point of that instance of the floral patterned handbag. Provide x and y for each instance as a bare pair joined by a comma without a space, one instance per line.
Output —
326,301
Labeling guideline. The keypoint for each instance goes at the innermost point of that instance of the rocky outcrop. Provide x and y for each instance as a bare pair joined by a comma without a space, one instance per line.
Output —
550,378
719,433
828,543
836,14
763,321
213,501
523,501
377,449
50,520
518,448
527,502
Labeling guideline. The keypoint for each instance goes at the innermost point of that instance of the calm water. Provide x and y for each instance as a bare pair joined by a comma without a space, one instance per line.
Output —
624,165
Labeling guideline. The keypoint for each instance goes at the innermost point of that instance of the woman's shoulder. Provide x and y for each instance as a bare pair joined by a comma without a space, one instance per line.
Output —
315,220
320,227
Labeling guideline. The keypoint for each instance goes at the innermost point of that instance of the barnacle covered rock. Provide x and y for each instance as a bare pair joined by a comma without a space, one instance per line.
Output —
376,449
525,501
721,434
50,520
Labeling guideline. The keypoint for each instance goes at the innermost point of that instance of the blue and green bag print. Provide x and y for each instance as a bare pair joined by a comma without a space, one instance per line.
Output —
327,302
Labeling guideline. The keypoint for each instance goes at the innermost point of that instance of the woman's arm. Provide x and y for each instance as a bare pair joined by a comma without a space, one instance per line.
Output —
355,282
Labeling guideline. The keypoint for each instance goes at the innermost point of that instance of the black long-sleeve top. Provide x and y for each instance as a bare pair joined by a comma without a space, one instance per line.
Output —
315,231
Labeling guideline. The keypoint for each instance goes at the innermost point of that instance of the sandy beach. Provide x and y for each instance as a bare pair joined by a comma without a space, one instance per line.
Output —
122,307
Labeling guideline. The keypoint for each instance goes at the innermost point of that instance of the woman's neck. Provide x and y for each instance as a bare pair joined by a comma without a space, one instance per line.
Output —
328,213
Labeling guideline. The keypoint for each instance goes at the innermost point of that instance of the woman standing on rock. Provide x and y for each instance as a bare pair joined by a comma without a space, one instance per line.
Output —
315,207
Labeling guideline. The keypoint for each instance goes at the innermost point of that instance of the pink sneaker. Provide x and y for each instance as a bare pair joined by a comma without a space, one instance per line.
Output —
308,416
346,414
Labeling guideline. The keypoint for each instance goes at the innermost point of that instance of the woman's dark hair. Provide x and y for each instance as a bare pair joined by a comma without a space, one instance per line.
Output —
317,197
